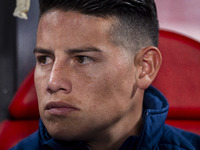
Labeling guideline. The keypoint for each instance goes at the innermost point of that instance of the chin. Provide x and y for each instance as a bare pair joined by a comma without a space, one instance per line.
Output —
64,134
66,131
60,135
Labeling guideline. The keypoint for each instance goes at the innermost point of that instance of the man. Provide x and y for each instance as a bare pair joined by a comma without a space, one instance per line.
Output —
95,61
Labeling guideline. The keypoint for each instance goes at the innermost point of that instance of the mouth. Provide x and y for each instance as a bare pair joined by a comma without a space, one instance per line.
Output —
60,108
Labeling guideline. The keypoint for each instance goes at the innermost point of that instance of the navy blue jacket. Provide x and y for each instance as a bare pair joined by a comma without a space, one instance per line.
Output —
156,135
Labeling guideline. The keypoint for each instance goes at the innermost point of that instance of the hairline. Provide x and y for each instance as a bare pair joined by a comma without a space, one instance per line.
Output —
113,30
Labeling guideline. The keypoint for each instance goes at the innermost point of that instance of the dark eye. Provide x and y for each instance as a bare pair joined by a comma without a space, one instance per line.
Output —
83,59
44,60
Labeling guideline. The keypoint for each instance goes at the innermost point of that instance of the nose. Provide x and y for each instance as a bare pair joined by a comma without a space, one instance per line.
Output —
58,80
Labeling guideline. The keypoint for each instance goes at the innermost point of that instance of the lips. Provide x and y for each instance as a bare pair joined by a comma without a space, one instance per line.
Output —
60,108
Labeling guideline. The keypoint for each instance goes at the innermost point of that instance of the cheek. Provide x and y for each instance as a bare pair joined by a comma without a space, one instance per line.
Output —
108,89
106,100
40,85
117,84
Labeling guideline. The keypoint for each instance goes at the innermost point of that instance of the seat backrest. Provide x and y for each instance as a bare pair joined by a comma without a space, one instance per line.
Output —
25,114
179,75
24,104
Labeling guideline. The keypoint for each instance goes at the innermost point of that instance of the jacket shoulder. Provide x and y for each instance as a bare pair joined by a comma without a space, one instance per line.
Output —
30,143
174,138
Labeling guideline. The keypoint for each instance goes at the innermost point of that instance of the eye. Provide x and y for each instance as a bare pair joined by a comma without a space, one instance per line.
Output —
44,60
83,59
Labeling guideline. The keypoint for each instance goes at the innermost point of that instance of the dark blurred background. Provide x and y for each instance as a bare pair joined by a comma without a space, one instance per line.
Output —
17,41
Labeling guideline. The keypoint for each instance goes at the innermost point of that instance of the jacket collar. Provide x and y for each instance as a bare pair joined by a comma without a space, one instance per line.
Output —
155,112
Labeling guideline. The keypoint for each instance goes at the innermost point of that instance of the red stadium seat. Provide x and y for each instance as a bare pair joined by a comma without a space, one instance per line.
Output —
24,110
178,79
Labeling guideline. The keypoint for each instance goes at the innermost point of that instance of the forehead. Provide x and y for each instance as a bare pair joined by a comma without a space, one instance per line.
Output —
77,26
74,20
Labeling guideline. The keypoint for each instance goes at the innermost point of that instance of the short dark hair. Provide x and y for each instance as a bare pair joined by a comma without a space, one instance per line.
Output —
136,23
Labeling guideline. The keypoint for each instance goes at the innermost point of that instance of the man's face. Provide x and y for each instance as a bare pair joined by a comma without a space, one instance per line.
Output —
84,82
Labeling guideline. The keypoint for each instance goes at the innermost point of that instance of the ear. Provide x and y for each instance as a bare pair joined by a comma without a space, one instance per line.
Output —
147,62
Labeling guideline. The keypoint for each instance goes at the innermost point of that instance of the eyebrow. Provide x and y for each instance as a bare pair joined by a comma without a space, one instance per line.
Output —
83,50
43,51
69,51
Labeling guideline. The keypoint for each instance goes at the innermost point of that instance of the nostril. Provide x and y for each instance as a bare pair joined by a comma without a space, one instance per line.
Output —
49,90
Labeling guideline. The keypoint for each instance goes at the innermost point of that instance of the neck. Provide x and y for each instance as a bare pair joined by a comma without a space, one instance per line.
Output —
114,141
